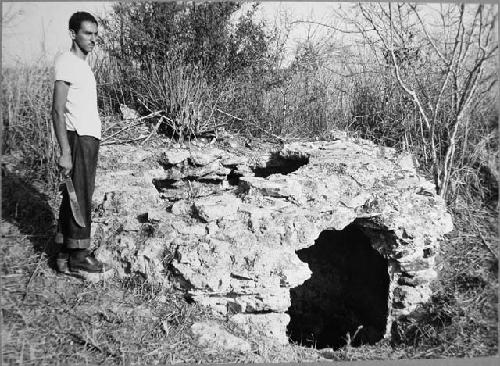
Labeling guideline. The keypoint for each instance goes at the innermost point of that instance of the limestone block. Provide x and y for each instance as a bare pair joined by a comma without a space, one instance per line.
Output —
262,300
149,259
293,276
188,228
407,298
419,264
107,256
205,156
213,170
156,213
132,224
181,207
174,156
211,335
250,301
405,161
216,207
215,303
125,203
272,325
356,201
339,218
278,187
234,160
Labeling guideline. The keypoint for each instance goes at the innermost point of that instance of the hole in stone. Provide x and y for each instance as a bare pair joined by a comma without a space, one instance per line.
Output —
279,164
162,184
233,178
349,287
165,184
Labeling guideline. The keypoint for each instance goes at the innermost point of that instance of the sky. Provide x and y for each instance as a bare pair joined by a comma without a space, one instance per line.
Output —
33,28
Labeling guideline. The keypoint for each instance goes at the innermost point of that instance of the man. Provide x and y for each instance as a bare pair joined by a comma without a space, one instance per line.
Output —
78,130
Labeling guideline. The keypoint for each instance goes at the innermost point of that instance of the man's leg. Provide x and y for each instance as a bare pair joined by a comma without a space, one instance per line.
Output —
84,150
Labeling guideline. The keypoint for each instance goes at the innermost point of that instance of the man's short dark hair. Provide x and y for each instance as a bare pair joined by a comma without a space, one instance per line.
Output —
76,20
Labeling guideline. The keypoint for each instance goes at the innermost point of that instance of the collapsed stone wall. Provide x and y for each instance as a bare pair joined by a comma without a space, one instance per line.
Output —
232,227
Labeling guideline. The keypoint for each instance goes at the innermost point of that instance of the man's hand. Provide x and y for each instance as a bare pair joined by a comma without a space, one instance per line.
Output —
65,165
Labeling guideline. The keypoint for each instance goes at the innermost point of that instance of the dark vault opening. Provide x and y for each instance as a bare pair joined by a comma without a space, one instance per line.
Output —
348,288
278,164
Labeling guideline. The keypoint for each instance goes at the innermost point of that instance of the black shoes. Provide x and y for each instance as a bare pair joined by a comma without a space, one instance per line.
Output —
80,260
87,263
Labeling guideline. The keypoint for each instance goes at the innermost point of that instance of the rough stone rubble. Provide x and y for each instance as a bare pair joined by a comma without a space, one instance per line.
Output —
201,219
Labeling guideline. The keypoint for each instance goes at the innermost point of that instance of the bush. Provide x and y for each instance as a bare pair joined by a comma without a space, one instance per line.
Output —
183,95
174,58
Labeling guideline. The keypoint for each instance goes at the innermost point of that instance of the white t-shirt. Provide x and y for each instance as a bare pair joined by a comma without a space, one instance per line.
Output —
81,104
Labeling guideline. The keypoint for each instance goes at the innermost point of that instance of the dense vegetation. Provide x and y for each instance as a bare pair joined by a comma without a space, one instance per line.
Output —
377,71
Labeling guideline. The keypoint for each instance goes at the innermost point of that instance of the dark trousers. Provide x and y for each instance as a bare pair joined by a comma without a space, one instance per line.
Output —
84,151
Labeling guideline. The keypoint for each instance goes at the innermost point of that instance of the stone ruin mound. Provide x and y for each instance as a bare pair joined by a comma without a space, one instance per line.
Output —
306,243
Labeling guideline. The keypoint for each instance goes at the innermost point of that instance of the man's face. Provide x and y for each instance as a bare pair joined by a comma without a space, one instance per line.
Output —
86,36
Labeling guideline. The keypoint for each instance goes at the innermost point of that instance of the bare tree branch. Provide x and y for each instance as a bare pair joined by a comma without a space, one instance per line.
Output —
424,28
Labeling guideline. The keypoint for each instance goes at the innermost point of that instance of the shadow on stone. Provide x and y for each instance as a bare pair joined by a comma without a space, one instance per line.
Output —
279,164
233,178
162,184
29,210
348,288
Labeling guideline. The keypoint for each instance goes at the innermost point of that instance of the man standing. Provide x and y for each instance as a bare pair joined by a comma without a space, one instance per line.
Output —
78,130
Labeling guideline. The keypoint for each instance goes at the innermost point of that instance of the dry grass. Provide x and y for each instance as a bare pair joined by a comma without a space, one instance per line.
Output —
26,118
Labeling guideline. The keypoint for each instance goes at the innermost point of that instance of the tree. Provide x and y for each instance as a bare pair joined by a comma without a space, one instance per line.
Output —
181,59
145,34
444,69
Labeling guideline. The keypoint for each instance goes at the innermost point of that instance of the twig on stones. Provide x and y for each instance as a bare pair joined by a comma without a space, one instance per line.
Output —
114,142
354,179
135,123
155,129
111,126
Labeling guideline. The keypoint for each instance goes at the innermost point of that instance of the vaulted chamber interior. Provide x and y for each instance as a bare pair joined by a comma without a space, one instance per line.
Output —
348,288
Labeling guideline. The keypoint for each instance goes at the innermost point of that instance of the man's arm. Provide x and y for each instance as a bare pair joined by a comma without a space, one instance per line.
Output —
58,106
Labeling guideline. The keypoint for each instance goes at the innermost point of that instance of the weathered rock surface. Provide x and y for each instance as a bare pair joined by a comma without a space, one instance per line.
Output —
272,325
173,217
211,335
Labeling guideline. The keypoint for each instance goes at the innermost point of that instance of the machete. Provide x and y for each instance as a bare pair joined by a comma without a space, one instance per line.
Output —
73,201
